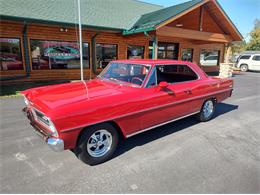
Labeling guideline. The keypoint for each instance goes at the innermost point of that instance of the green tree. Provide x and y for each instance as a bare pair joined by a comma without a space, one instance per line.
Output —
254,42
238,47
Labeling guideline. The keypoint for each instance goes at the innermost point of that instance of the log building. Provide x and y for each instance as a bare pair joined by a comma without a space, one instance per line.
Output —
39,39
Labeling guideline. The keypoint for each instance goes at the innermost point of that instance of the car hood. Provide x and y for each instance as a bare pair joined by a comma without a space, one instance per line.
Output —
55,96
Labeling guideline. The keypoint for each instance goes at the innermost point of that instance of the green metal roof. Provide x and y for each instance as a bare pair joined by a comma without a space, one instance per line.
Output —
127,16
150,20
113,14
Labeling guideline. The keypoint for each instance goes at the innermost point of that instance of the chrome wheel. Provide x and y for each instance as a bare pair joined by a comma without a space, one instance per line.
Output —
208,109
99,143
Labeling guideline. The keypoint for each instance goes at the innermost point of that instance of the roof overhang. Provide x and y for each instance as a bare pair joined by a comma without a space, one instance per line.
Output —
234,35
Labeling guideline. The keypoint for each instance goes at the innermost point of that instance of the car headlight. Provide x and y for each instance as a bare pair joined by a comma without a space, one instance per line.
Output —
45,121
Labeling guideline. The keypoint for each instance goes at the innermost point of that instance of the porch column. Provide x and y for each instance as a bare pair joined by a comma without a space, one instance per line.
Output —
155,48
227,53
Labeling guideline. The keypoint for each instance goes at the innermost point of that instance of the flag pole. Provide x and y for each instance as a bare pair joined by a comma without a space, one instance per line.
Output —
80,43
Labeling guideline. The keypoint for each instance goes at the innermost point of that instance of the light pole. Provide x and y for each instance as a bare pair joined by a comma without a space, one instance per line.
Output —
80,43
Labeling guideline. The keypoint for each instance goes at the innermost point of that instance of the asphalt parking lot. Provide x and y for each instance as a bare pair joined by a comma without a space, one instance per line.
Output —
220,156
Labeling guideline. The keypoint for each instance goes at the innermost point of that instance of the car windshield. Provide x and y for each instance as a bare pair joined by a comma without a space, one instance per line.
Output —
125,73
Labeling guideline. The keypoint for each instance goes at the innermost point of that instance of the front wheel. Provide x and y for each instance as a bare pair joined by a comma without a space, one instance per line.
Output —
207,111
244,68
97,144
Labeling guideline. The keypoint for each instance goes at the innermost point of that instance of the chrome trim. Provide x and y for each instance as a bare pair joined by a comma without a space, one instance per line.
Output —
161,124
145,110
149,77
56,144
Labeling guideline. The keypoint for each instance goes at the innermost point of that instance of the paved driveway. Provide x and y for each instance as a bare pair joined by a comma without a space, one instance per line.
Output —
220,156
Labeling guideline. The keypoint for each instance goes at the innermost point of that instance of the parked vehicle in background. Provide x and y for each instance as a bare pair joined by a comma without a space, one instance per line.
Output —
127,98
211,60
249,61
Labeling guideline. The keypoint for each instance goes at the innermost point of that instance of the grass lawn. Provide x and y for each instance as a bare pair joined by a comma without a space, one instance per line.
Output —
13,90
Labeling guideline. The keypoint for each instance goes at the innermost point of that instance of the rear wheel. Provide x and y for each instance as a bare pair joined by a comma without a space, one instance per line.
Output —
244,68
97,144
207,111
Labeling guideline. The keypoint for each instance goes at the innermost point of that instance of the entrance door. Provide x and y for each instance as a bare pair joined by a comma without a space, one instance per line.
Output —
168,50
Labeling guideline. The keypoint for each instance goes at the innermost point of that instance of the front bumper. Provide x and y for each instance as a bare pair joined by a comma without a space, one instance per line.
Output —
56,144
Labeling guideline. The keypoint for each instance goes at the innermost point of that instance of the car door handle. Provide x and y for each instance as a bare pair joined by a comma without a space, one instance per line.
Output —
188,91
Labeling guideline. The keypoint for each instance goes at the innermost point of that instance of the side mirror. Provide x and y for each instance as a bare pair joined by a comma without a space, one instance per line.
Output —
163,84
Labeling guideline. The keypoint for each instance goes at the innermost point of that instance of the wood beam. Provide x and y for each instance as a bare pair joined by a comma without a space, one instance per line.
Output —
201,18
192,34
181,14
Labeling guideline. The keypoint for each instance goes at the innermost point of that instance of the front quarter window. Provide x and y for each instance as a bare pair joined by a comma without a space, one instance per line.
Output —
126,73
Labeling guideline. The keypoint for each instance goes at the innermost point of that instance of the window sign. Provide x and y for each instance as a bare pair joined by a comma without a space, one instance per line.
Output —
57,55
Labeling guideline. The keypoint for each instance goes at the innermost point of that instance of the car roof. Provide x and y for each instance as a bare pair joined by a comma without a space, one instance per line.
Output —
152,62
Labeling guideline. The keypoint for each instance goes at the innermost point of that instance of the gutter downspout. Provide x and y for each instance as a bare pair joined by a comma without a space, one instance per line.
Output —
26,55
93,54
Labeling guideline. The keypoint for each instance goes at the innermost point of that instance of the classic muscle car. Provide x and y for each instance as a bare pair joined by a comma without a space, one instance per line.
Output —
127,98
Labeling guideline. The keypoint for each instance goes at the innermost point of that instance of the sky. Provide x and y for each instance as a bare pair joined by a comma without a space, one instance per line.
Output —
242,12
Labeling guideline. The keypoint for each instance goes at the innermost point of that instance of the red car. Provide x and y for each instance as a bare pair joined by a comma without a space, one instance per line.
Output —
127,98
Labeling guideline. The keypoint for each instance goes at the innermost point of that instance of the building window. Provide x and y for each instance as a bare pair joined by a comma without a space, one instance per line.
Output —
187,54
168,51
11,57
47,55
135,52
105,54
209,57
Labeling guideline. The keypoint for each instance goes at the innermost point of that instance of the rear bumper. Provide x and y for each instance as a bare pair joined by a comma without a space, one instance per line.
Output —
56,144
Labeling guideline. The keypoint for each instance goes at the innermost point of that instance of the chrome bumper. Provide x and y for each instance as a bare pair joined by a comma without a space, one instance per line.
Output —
55,144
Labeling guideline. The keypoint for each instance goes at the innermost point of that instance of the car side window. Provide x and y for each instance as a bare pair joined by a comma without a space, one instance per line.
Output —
245,57
256,58
175,73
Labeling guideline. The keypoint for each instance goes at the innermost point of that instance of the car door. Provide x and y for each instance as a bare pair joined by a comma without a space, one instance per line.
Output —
165,104
256,63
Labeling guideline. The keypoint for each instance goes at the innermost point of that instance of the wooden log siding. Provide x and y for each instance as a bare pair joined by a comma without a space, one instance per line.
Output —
51,32
47,32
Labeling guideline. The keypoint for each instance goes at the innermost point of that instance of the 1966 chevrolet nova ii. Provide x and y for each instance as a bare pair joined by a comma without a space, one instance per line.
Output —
127,98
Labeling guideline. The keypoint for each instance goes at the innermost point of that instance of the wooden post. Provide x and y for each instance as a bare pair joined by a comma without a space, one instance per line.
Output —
155,48
201,18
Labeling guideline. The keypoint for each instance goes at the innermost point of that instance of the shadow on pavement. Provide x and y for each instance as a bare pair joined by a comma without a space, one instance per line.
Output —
168,129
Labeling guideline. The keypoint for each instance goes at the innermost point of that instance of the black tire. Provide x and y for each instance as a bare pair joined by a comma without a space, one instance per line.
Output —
202,116
244,67
82,149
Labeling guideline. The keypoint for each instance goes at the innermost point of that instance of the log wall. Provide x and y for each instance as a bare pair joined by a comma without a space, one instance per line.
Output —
11,29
